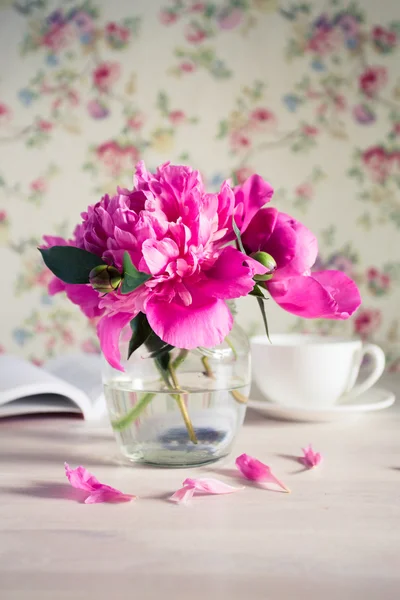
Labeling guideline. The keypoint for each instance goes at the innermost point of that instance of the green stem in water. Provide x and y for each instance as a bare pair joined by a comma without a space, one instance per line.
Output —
133,414
181,404
179,359
209,372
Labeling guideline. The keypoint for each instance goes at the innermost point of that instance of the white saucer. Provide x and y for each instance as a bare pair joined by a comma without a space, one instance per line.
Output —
373,399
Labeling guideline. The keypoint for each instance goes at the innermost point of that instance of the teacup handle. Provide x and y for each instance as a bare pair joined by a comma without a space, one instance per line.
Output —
379,361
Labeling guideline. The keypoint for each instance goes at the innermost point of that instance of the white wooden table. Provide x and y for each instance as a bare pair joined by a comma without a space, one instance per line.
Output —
336,536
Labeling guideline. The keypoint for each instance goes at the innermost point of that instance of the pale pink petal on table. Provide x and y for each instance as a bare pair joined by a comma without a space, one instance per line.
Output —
207,485
204,485
310,459
255,470
81,479
183,495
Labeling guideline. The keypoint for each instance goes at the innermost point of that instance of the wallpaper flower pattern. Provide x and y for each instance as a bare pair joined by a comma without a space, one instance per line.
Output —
305,93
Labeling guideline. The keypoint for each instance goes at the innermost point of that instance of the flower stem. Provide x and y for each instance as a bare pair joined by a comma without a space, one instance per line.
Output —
185,416
133,414
181,403
209,372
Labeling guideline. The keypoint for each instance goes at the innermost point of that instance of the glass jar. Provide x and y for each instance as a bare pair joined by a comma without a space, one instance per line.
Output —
189,411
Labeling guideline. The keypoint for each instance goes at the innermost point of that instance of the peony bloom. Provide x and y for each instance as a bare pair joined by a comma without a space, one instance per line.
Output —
174,231
322,294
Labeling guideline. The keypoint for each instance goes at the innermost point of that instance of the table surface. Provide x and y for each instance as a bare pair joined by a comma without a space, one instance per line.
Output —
337,535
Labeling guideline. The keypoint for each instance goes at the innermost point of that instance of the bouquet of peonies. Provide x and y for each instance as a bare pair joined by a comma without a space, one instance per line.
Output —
167,256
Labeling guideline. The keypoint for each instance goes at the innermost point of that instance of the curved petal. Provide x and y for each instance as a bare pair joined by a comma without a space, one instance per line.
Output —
86,298
303,296
205,322
249,198
55,286
293,246
342,289
260,229
109,329
231,276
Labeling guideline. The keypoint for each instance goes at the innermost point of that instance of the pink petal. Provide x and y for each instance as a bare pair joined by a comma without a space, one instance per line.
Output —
80,478
206,322
303,296
310,459
255,470
260,229
232,274
305,246
249,198
107,496
158,254
183,495
208,485
342,289
86,298
109,329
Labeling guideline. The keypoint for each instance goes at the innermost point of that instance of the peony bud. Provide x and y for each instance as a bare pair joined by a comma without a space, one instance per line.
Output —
265,259
104,278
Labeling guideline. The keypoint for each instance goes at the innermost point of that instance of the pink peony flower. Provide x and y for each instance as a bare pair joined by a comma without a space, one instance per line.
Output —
372,80
105,75
367,322
174,231
323,294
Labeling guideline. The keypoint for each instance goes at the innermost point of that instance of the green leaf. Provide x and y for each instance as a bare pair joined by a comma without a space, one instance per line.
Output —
132,277
258,292
141,330
70,264
238,236
264,316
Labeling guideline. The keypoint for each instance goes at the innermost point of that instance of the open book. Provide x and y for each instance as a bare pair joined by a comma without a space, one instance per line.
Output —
68,384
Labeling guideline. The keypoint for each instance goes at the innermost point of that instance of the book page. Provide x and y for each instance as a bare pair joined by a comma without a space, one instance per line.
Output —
21,382
82,371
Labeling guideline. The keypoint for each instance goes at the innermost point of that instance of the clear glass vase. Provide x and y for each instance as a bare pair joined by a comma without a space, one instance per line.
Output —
190,417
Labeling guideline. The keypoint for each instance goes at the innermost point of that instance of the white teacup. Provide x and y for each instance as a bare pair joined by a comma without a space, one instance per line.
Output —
300,370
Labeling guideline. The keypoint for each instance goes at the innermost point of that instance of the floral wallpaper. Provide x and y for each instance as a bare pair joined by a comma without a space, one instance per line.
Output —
305,93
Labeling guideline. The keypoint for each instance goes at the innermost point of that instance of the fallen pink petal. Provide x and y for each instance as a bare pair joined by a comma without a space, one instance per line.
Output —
255,470
203,486
310,459
81,479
